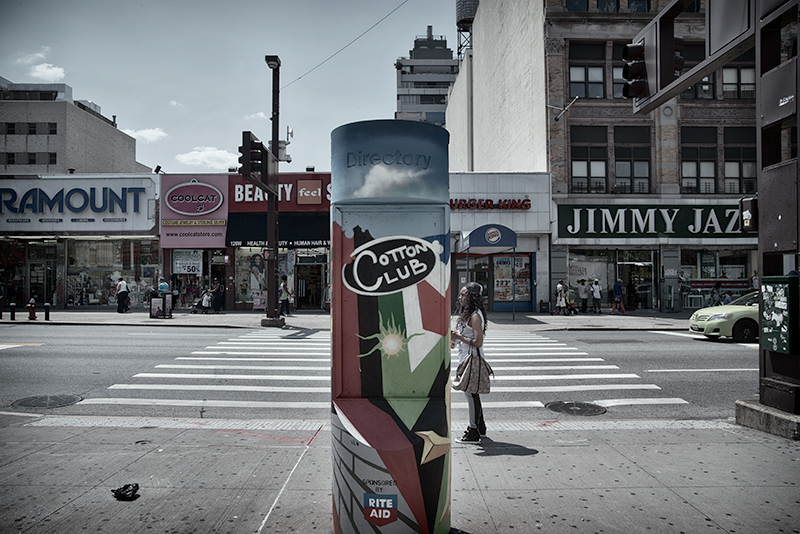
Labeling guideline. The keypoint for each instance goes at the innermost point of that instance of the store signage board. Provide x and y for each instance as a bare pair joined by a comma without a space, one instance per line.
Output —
650,221
187,261
77,205
194,210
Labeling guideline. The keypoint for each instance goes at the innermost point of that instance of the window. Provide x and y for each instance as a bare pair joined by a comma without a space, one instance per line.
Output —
11,128
577,5
11,159
739,77
31,128
589,159
52,128
740,162
52,158
698,160
739,82
31,158
694,7
608,6
705,88
586,71
638,6
586,82
632,159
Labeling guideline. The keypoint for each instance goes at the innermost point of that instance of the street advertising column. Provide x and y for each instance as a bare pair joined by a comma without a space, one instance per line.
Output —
390,410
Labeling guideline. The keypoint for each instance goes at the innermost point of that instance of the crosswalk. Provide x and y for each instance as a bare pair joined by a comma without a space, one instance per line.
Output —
542,370
277,370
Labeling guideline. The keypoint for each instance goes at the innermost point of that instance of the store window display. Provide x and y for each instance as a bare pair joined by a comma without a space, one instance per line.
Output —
250,275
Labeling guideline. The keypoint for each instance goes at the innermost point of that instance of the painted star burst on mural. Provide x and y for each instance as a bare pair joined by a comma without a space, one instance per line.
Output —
392,340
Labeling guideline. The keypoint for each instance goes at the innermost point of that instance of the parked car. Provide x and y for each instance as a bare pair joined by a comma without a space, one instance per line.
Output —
738,320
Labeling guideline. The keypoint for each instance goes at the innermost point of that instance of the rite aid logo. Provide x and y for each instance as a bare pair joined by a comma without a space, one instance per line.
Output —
388,265
194,198
493,235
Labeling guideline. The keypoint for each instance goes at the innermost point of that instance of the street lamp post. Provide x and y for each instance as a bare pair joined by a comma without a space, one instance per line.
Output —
270,170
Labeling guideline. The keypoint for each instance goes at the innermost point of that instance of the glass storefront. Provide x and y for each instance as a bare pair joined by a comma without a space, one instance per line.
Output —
310,278
251,283
95,266
702,269
633,267
13,277
504,290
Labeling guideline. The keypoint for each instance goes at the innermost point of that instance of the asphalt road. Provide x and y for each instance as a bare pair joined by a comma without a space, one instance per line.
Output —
257,374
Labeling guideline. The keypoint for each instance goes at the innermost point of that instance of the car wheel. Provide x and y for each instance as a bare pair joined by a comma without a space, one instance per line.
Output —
745,331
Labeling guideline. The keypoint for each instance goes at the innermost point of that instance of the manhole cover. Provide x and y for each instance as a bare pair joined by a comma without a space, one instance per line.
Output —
575,408
47,401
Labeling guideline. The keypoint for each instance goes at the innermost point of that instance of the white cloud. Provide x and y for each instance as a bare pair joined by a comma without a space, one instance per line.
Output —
259,115
175,103
381,182
211,157
148,135
47,72
30,59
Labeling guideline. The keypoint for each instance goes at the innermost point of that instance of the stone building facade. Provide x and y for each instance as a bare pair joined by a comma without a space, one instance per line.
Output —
44,131
649,200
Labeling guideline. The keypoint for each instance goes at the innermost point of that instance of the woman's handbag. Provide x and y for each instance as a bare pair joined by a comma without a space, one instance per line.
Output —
472,374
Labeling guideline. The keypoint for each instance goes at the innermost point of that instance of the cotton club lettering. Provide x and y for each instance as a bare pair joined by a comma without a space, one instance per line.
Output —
388,265
76,200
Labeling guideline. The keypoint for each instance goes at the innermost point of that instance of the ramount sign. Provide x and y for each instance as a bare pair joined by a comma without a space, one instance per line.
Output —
672,221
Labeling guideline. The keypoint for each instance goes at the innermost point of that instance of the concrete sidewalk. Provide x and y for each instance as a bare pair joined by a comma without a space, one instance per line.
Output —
560,475
320,320
205,475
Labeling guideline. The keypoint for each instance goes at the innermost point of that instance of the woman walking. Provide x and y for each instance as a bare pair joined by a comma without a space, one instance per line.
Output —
216,291
469,332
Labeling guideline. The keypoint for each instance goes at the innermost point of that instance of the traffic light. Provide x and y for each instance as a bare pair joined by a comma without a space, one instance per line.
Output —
245,150
634,71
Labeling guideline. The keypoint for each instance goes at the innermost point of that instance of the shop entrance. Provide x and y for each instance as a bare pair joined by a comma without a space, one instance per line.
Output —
41,281
635,268
309,286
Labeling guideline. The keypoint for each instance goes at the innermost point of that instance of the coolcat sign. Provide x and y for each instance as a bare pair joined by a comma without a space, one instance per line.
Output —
194,211
653,221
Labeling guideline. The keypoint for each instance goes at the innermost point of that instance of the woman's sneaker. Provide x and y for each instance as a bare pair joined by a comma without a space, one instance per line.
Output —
470,436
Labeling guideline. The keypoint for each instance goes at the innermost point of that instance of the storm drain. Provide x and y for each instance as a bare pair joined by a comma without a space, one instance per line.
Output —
47,401
575,408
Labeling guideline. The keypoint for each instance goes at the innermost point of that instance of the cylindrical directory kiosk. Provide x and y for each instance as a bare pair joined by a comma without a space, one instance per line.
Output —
390,417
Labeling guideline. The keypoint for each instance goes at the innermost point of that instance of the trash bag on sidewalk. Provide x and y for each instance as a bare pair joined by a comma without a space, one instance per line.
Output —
126,492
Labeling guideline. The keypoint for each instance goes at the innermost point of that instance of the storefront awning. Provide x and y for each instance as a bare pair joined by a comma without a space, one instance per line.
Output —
487,239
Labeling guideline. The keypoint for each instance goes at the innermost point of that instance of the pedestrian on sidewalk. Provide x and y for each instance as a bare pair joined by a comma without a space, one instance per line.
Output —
632,299
216,291
163,287
469,333
716,294
284,294
597,295
561,298
619,297
583,294
122,296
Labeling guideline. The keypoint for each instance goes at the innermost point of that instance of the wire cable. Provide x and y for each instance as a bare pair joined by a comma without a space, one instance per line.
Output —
345,46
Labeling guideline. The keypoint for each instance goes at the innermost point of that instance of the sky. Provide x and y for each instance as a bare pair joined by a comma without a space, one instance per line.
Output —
186,77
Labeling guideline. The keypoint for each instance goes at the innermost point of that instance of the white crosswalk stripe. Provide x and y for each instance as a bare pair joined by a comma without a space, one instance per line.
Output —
280,370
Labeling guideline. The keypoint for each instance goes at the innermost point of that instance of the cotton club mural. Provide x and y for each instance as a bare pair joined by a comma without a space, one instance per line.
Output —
390,409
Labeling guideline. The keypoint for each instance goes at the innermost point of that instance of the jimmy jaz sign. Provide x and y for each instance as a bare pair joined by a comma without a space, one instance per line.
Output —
649,221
